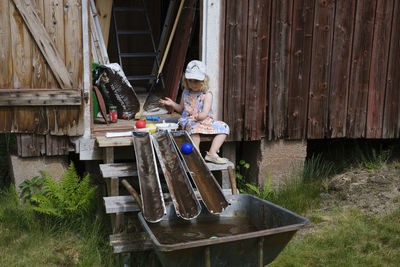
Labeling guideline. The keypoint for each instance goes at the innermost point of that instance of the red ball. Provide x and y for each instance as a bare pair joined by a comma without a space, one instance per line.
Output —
140,124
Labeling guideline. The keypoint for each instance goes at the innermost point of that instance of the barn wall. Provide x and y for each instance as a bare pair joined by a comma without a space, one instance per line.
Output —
24,66
329,69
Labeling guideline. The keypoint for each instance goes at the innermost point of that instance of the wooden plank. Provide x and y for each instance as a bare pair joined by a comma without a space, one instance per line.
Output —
129,169
39,97
58,145
21,50
118,170
176,58
360,69
340,67
235,66
39,67
6,66
29,120
279,68
378,71
31,145
117,204
257,69
320,69
54,25
130,242
104,8
46,46
301,42
73,46
391,119
103,141
65,120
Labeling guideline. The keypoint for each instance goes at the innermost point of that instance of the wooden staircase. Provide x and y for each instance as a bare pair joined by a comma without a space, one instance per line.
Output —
119,205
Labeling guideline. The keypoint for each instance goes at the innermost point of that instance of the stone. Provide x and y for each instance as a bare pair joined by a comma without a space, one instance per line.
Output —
27,168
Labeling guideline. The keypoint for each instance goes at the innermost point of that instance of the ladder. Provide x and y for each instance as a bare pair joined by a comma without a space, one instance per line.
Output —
139,36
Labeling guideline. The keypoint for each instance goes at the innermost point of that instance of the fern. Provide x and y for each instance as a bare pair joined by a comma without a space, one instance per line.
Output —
72,198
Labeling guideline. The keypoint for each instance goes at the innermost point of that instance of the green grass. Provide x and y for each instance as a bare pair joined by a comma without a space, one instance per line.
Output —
28,240
346,238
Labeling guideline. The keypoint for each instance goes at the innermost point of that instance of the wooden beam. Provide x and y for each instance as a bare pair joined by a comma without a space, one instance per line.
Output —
39,97
104,8
44,42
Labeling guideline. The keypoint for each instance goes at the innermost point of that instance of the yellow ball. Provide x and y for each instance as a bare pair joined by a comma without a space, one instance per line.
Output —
150,125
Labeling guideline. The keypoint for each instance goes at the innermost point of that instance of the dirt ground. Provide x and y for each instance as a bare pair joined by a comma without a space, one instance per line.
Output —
373,191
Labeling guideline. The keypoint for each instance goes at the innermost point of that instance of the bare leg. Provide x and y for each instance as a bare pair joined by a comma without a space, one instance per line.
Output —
217,143
196,140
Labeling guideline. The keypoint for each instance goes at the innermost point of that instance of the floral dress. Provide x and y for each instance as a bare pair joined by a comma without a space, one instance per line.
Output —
193,104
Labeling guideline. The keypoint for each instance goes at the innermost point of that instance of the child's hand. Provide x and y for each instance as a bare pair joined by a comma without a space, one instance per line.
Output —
200,116
167,101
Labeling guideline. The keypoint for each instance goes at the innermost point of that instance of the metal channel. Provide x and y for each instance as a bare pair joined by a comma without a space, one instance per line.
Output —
149,180
208,187
184,200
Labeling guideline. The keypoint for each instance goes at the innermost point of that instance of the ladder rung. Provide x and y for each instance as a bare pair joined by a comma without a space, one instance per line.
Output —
141,77
133,32
128,9
149,54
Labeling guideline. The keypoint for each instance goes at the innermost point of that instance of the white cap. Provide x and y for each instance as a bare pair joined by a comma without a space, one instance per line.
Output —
196,70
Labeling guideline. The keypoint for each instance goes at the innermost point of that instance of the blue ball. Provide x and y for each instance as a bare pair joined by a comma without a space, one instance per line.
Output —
186,148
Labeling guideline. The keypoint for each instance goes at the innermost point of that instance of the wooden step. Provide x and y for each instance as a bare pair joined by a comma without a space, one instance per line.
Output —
130,242
120,204
118,169
129,169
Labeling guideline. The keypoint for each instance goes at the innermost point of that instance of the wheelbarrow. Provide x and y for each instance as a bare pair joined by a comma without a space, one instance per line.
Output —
249,232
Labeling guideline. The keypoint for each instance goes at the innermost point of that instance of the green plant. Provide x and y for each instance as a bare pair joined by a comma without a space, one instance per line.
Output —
31,187
315,168
375,160
71,199
242,170
266,192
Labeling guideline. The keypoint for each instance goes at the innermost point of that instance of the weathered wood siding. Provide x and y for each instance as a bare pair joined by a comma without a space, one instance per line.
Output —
24,67
330,69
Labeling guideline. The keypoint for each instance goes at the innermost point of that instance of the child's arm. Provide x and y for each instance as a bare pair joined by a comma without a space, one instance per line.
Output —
206,107
169,102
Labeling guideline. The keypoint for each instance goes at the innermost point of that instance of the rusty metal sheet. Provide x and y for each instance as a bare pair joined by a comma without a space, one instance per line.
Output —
153,205
205,181
185,202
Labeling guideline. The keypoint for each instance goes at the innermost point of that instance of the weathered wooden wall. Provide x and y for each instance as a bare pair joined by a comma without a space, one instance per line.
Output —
24,68
326,69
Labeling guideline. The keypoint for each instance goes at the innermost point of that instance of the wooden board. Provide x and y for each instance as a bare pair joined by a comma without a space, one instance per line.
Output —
45,44
39,66
176,56
104,8
279,68
235,66
300,68
257,69
54,25
340,68
378,71
391,119
6,66
320,69
118,170
21,50
73,46
39,97
360,69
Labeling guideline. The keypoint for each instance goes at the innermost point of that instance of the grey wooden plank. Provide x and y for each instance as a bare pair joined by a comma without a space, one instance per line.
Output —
118,170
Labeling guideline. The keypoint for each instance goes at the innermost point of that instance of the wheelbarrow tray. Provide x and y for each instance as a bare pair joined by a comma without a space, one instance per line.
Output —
255,233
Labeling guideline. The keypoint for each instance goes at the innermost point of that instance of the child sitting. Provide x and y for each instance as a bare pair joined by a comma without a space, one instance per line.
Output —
195,106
